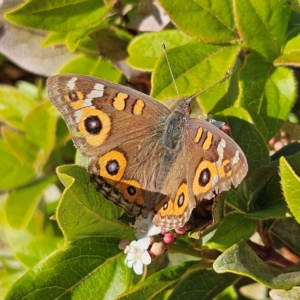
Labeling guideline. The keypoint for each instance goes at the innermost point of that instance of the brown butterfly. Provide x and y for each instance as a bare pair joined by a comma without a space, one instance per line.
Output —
142,156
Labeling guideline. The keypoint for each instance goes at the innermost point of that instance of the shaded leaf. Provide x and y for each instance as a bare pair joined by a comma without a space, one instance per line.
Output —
270,202
246,135
83,211
71,272
268,95
203,284
240,259
233,228
289,149
287,230
159,282
252,186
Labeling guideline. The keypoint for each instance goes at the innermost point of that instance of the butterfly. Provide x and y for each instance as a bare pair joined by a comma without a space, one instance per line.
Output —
141,156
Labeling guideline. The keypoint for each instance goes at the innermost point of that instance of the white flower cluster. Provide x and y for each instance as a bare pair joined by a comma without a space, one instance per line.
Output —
137,254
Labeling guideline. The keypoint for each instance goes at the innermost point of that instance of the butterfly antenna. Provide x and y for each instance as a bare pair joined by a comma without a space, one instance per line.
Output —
227,74
170,69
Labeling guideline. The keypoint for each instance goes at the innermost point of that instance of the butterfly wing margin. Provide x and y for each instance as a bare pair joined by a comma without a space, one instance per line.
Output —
175,209
214,160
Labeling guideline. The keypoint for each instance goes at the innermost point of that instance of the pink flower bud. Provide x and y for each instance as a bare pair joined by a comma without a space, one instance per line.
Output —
181,230
168,238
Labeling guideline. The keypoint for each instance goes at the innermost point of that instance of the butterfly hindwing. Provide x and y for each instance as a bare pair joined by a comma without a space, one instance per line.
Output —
214,160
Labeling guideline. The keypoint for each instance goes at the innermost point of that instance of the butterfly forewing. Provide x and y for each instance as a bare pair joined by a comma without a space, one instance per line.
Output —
141,156
103,115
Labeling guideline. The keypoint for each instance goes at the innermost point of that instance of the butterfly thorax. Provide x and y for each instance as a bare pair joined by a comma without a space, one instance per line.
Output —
175,125
172,140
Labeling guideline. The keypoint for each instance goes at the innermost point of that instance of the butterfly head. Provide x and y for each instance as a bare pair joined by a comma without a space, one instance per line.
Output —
184,107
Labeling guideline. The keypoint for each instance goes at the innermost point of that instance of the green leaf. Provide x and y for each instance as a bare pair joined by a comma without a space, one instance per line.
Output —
289,149
233,228
71,272
7,279
262,25
54,38
31,247
204,282
13,172
158,282
291,54
190,278
40,126
271,209
207,21
291,59
31,90
80,36
60,16
290,184
82,211
270,202
143,57
14,106
222,95
243,131
287,230
240,259
294,5
196,66
22,147
21,204
93,66
292,45
267,93
228,294
252,186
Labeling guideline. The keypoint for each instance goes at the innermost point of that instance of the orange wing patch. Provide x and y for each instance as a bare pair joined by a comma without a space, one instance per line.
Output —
95,125
112,165
131,191
198,135
207,143
119,102
205,177
138,107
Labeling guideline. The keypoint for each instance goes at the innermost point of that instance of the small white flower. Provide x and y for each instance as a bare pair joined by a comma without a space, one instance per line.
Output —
145,227
137,255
